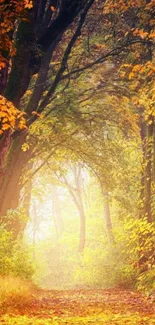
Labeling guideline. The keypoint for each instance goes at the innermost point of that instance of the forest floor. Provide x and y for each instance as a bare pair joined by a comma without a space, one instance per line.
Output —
85,307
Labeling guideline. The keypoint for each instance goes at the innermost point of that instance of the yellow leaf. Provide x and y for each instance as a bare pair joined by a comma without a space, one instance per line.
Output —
25,147
131,75
28,4
52,8
28,92
5,126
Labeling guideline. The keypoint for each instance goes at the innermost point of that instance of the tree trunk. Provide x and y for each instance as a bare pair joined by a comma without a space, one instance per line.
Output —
146,132
76,194
107,216
82,237
5,143
21,73
77,199
142,126
57,211
11,183
27,199
107,213
148,173
153,173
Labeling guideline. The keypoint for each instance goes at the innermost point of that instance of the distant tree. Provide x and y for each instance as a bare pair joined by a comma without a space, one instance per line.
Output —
75,188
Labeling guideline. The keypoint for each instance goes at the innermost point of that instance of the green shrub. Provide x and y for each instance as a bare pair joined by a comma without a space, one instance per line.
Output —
14,256
21,262
5,251
146,281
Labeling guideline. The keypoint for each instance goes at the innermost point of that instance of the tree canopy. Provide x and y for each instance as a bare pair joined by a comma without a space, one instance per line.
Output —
77,142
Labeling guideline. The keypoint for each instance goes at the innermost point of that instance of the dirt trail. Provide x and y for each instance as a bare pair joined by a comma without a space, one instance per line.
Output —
113,306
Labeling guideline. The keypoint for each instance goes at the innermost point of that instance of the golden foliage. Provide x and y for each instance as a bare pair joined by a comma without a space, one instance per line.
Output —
10,116
10,12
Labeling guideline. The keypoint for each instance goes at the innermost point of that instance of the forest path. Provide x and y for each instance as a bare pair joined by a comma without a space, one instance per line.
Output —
85,307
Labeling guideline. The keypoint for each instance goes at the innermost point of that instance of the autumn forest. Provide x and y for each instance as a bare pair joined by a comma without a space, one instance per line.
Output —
77,162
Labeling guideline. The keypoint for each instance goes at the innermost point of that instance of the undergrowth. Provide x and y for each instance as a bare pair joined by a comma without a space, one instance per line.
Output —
15,292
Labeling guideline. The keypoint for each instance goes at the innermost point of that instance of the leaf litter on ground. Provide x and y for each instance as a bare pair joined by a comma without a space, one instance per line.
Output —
85,307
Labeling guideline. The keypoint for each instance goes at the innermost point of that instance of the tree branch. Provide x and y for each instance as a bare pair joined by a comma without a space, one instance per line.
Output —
69,9
62,68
